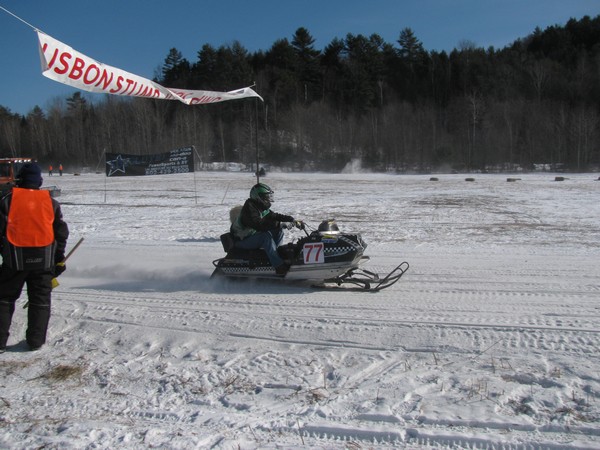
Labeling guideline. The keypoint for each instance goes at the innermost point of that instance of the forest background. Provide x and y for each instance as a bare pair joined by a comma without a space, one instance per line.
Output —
395,107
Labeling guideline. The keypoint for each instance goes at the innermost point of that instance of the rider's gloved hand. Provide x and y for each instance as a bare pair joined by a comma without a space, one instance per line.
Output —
299,224
286,225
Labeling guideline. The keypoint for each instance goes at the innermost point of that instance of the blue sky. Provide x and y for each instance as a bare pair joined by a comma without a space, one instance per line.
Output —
136,35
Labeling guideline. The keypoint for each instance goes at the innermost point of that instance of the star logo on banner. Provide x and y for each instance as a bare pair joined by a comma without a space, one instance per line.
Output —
117,165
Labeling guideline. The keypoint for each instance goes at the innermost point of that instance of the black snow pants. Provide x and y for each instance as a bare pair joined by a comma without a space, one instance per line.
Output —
39,291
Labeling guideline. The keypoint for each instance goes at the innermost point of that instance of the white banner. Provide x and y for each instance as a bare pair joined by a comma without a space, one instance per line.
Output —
63,64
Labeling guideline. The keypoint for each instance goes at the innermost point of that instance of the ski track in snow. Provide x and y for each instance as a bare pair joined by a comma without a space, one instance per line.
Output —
490,340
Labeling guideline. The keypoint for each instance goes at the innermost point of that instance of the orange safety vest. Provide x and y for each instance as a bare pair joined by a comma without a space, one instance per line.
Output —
30,218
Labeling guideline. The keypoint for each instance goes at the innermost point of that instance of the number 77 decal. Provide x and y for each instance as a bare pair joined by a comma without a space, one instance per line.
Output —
313,253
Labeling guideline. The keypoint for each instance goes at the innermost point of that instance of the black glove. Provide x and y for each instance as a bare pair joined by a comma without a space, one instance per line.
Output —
299,224
286,225
59,268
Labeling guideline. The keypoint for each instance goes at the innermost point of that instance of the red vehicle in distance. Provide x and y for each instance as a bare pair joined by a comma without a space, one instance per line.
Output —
9,168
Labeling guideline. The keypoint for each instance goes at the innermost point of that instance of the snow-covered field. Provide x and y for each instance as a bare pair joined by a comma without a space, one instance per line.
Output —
491,340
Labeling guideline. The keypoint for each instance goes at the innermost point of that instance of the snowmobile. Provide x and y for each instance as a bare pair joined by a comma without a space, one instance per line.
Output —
325,257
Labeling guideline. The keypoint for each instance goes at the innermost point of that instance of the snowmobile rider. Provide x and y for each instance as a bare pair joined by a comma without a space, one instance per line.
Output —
33,239
258,227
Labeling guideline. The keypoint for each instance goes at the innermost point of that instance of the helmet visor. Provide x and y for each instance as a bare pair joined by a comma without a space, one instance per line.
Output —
267,197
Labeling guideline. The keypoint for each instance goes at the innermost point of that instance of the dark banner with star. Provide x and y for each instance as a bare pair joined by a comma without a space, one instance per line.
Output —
180,160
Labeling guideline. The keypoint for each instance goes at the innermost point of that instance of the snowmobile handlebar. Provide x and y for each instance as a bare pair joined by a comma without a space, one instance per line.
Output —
308,230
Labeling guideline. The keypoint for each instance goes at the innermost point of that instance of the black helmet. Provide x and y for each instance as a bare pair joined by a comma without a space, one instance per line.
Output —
262,194
328,226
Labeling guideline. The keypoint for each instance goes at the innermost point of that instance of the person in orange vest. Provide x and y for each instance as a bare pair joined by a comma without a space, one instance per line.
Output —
33,238
60,169
50,170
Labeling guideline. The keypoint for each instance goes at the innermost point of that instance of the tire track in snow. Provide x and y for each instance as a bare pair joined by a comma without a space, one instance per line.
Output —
291,322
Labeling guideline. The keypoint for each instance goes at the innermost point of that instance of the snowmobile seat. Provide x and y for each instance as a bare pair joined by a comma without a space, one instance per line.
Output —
227,241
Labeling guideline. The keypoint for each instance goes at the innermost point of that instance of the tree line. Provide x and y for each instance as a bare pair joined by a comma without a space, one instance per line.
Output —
391,106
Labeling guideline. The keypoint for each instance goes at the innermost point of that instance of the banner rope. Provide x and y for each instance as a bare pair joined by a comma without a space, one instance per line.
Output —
18,18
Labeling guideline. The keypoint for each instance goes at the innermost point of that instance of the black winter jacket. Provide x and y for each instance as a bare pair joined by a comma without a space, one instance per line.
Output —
254,218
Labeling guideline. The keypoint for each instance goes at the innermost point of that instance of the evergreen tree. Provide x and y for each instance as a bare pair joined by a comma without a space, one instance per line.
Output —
308,65
176,70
